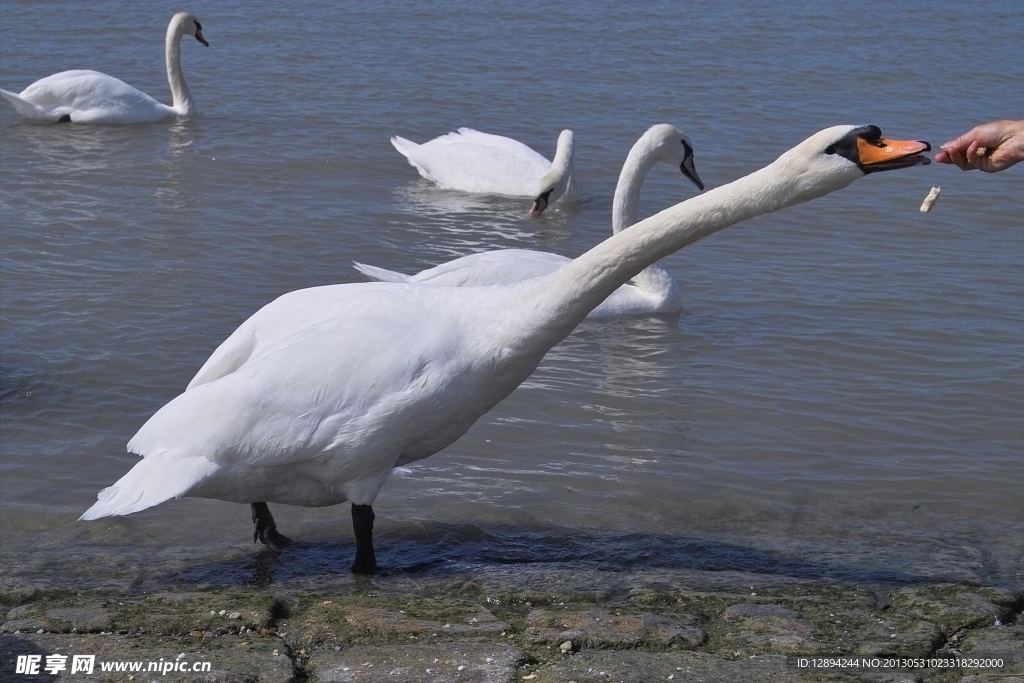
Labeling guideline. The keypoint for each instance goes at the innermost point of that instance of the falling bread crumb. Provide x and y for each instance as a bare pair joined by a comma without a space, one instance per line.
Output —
930,200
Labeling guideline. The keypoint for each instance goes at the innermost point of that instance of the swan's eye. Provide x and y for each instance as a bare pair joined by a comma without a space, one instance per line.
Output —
199,27
831,149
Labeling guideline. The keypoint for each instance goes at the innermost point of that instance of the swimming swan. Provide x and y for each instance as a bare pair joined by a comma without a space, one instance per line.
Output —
653,290
94,97
314,399
472,161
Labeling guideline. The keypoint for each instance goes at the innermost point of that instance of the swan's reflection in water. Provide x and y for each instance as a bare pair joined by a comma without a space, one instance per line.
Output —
71,150
172,193
443,225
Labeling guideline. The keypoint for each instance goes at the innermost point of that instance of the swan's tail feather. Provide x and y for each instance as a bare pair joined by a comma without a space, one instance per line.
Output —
404,147
381,274
408,148
24,107
152,481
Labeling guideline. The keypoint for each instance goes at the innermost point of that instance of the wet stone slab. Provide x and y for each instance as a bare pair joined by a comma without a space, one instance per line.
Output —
420,629
602,629
329,623
767,628
450,662
952,608
231,659
164,613
603,666
996,642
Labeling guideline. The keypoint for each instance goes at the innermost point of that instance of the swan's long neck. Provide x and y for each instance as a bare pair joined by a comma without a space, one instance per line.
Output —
182,98
561,165
563,152
639,162
566,296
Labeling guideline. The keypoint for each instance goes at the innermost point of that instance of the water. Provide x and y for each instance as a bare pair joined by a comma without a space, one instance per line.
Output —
842,396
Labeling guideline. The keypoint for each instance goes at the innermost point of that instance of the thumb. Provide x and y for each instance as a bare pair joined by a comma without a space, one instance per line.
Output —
962,142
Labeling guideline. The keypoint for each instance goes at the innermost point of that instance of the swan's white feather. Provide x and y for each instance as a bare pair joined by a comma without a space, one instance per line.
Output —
651,292
280,427
93,97
472,161
340,384
499,267
380,274
152,481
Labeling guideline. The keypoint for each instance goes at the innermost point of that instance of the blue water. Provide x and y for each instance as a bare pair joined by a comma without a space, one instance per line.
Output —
842,394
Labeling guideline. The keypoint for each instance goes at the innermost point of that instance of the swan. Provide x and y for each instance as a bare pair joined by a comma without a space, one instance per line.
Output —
471,161
314,399
84,96
653,290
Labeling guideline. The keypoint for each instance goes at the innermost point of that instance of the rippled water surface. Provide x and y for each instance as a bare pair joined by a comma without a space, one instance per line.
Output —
841,397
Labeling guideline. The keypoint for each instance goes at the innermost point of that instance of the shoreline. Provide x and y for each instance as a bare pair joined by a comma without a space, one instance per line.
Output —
529,623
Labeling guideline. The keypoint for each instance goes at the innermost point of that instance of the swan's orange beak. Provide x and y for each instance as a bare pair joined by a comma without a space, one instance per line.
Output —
886,155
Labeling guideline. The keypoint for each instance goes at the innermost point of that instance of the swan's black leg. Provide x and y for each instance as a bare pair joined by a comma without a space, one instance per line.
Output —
265,528
64,119
362,523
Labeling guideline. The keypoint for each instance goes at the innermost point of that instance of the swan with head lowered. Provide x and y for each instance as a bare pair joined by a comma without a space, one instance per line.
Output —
81,96
471,161
653,290
318,396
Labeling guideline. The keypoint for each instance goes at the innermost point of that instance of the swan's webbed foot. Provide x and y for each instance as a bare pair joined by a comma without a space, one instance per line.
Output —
64,119
266,530
362,524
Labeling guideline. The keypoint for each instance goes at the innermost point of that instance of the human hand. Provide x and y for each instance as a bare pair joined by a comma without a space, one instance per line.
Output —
1003,143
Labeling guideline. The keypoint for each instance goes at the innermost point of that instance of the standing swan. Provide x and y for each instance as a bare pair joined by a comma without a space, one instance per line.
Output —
472,161
653,290
93,97
315,398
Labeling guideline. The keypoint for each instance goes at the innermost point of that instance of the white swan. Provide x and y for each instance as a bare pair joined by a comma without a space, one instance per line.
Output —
652,291
93,97
316,398
472,161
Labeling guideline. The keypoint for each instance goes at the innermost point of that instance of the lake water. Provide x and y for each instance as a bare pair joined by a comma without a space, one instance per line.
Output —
842,397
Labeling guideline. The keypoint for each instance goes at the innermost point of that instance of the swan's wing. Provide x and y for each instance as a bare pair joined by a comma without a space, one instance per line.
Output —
30,110
651,291
227,357
150,482
499,267
508,146
381,274
94,97
477,162
331,375
626,300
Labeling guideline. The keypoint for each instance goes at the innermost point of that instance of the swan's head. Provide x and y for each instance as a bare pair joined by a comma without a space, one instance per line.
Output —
671,146
189,26
554,183
835,157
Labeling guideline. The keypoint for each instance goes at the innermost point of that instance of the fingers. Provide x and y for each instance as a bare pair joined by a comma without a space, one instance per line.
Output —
1003,143
956,156
982,163
963,152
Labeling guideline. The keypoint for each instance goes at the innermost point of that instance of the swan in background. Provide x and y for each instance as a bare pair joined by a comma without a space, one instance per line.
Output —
472,161
93,97
653,290
318,396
